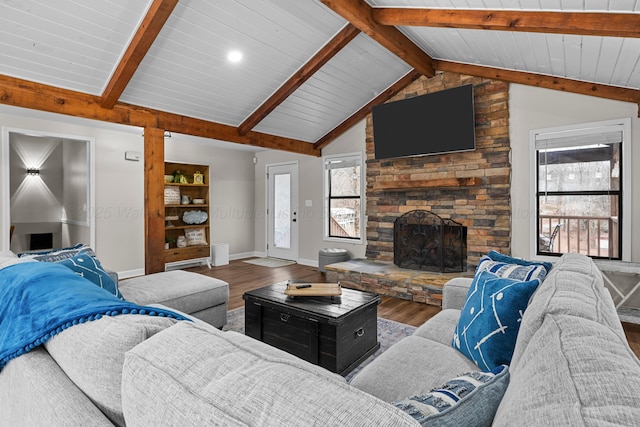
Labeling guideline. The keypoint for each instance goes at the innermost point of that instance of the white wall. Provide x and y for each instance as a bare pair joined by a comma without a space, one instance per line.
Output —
535,108
75,169
119,187
310,219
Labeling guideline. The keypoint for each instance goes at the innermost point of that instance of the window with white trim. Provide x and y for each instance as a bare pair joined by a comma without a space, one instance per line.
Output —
579,191
343,207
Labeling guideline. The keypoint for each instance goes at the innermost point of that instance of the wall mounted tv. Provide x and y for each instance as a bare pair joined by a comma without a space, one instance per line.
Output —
435,123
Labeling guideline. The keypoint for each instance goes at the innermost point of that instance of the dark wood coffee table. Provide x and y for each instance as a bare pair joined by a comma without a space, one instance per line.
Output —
337,333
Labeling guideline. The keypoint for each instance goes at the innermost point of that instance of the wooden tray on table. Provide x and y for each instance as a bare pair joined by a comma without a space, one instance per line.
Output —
304,289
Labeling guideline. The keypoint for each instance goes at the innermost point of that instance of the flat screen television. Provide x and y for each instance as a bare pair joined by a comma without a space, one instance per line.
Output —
435,123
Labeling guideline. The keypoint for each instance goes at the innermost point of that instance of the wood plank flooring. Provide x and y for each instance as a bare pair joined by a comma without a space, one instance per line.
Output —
243,277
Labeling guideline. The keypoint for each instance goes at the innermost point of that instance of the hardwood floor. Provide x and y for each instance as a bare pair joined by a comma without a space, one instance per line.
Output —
243,277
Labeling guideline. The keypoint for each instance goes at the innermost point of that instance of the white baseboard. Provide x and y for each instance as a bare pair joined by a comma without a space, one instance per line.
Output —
130,273
309,262
244,255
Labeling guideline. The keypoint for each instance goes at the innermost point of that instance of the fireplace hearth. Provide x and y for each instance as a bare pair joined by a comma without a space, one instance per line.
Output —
424,241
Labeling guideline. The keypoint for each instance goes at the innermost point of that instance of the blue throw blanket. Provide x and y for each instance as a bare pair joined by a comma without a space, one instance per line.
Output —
39,300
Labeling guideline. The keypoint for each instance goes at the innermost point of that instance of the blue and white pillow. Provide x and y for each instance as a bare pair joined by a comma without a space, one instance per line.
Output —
490,320
471,399
88,266
497,256
511,271
55,255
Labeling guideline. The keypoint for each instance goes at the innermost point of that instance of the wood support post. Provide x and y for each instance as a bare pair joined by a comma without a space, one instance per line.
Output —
153,200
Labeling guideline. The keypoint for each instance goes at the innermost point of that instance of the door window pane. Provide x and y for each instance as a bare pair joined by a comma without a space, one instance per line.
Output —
282,214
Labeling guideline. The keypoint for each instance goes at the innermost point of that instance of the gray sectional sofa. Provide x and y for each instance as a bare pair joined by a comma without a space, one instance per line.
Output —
571,366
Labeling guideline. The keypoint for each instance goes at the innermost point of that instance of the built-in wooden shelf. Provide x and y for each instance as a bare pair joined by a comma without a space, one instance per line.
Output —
185,227
177,184
431,183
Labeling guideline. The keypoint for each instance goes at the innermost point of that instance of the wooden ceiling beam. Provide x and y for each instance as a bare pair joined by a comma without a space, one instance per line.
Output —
581,23
328,51
149,28
405,81
360,14
36,96
544,81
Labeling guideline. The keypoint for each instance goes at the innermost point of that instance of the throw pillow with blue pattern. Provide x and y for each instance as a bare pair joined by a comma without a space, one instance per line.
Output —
490,319
471,399
88,266
55,255
512,271
497,256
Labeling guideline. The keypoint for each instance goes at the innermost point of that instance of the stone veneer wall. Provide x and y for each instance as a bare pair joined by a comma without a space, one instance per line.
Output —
484,208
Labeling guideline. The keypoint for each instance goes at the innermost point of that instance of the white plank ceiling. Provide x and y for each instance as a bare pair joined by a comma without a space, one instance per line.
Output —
77,44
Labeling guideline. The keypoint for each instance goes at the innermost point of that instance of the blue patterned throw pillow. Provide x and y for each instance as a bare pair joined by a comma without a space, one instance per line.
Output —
471,399
89,267
512,271
55,255
497,256
490,319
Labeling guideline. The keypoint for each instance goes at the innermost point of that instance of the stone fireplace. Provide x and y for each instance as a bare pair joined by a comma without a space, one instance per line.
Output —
424,241
471,188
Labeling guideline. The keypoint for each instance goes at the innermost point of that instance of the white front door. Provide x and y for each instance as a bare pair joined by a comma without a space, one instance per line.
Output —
282,211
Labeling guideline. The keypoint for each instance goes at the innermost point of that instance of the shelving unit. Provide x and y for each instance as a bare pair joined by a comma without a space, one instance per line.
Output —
177,227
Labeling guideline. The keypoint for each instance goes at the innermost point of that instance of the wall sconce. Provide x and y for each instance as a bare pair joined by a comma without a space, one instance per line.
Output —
33,171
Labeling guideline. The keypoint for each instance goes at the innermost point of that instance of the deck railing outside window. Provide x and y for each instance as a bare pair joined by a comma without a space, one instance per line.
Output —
588,235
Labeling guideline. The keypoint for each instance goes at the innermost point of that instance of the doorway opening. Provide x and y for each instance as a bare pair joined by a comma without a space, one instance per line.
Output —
47,189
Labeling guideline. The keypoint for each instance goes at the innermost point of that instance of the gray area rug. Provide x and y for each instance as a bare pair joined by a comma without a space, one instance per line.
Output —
389,332
270,262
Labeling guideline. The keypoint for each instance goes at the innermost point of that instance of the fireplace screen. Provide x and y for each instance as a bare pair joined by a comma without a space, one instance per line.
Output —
424,241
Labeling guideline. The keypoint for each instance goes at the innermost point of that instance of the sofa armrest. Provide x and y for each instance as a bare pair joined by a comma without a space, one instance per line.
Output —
454,292
113,275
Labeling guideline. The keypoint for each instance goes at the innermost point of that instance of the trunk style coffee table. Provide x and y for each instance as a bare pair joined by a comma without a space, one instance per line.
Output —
337,333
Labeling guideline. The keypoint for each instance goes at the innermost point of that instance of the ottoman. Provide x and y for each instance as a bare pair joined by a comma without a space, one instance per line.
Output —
331,255
195,294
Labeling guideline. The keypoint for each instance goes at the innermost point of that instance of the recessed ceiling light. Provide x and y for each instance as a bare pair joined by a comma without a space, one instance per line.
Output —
234,56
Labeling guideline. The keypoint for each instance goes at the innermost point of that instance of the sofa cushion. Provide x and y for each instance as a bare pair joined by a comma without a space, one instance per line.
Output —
454,292
574,371
34,391
8,258
490,319
440,328
88,266
92,355
574,287
470,399
410,367
182,290
230,379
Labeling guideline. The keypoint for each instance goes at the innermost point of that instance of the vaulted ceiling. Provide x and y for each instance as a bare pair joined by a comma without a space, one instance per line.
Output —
310,69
